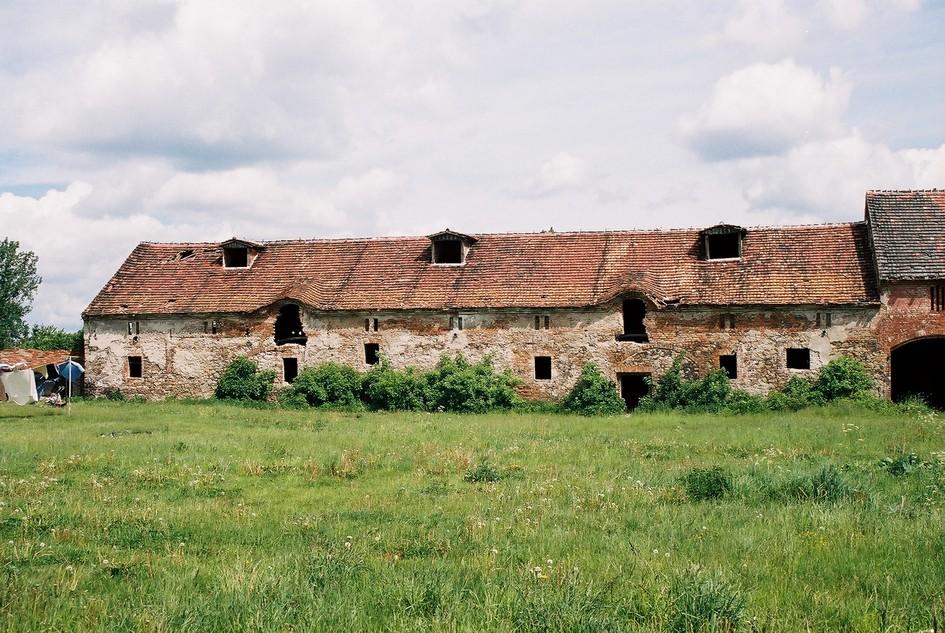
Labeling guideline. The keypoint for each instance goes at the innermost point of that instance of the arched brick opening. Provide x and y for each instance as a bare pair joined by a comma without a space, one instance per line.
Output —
916,369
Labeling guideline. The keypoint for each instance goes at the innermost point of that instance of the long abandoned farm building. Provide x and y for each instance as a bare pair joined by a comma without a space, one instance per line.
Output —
764,304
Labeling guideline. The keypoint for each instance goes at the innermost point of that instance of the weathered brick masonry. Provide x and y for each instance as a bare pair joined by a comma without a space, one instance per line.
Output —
186,312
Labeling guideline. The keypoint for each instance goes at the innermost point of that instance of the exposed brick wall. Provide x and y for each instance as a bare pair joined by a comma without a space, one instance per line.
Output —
181,360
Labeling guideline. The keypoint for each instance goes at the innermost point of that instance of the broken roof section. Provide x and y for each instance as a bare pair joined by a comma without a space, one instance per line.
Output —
800,265
908,231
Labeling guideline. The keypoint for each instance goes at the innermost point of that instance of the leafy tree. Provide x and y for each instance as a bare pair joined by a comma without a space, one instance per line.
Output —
51,337
18,284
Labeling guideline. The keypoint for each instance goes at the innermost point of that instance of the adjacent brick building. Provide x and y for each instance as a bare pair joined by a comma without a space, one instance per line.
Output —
763,303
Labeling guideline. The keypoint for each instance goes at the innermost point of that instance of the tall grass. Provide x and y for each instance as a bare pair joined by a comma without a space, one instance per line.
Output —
210,517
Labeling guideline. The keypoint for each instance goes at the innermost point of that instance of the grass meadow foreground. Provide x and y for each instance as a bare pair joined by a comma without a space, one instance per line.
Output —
212,517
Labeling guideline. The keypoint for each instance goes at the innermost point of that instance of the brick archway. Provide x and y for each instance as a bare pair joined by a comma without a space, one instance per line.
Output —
916,369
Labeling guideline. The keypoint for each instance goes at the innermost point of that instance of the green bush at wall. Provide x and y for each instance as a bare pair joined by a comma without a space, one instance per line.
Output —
242,380
593,394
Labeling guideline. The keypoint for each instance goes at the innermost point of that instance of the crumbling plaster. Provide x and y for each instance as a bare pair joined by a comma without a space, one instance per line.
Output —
181,360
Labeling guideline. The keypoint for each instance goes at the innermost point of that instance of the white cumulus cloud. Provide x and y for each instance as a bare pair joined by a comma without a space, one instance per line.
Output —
766,109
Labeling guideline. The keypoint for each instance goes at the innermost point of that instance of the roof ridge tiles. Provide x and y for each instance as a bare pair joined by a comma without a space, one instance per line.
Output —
579,232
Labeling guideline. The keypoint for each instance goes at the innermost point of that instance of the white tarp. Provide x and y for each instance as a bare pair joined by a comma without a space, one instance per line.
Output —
20,386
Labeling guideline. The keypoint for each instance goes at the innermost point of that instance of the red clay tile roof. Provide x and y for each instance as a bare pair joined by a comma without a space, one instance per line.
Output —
33,357
806,265
908,233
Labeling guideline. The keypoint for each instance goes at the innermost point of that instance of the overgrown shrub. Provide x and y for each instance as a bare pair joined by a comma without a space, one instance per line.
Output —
593,394
242,380
797,394
742,402
290,399
457,385
673,391
702,484
386,388
702,602
328,384
843,377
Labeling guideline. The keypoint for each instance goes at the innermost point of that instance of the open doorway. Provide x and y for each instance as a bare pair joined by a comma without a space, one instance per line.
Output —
916,370
632,388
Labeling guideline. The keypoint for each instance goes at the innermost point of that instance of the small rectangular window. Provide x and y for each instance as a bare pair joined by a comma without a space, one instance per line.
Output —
135,368
134,328
937,298
375,324
726,321
798,358
290,369
367,325
547,321
543,368
372,353
456,323
537,322
213,327
729,364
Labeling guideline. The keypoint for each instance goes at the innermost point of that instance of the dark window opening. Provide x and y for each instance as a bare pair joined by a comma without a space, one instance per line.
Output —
236,257
547,322
634,311
135,368
937,298
367,325
289,326
134,328
447,252
375,324
290,369
537,322
213,327
726,321
632,388
723,246
456,323
798,358
543,368
729,364
372,353
916,372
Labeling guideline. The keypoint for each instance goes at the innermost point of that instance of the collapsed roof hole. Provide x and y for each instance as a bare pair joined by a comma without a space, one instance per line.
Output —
634,311
187,253
289,326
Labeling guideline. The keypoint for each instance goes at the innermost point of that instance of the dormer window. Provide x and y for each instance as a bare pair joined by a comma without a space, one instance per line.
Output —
239,253
236,257
723,241
450,248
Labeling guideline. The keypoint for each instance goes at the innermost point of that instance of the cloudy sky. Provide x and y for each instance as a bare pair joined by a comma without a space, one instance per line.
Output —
126,121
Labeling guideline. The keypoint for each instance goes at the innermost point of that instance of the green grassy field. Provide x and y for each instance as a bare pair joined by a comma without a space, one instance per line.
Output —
211,517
